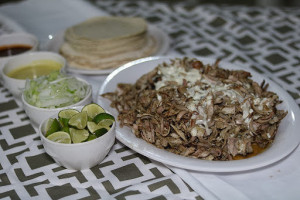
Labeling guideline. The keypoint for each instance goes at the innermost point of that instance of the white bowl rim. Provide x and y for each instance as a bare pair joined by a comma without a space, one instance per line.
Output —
89,93
32,53
34,45
109,132
35,53
21,34
18,34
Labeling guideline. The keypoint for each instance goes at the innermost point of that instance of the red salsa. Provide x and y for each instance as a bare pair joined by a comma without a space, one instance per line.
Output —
14,49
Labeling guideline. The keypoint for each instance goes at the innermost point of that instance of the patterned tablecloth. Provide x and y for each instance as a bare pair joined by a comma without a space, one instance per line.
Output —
266,40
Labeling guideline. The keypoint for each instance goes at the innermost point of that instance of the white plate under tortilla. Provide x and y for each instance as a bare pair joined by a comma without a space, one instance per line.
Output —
161,37
286,140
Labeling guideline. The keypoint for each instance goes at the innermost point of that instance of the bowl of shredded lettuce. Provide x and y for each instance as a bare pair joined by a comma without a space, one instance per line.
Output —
46,95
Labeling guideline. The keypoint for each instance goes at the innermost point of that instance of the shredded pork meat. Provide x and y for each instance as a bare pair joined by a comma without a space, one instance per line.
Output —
200,111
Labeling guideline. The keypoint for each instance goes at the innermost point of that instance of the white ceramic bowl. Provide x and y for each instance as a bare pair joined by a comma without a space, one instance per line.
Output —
81,155
19,39
15,86
15,39
38,115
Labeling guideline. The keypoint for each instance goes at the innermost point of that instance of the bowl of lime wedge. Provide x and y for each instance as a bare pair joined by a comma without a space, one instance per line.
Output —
79,137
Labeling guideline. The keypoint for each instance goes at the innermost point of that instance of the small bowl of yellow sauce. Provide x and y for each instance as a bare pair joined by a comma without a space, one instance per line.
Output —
31,65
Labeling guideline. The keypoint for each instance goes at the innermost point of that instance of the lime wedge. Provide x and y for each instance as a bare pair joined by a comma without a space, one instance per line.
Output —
49,123
52,126
79,120
106,123
92,110
78,135
65,115
92,126
60,137
102,116
100,132
91,137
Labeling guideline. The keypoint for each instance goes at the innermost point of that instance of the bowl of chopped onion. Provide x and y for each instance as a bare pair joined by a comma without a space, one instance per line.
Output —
46,95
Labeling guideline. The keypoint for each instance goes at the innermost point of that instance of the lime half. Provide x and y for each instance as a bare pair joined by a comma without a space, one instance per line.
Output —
79,120
78,135
60,137
92,110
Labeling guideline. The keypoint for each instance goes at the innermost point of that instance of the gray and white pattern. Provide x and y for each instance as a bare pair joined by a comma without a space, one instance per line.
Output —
264,39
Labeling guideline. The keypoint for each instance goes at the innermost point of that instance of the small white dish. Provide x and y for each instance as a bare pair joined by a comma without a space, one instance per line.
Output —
161,37
14,85
286,140
18,39
78,156
38,115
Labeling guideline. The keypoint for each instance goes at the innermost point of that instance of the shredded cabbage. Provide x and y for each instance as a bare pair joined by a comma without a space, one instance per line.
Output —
54,91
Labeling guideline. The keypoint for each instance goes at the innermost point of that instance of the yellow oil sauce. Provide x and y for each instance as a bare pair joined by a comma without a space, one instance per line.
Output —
35,69
256,150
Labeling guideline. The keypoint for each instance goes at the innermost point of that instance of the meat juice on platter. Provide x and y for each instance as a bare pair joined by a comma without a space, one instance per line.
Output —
200,111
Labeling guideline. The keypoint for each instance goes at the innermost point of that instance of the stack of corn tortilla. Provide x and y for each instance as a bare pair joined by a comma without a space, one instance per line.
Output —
107,42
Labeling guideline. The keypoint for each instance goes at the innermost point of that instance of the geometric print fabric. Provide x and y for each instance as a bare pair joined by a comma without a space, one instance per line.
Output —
26,171
263,39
